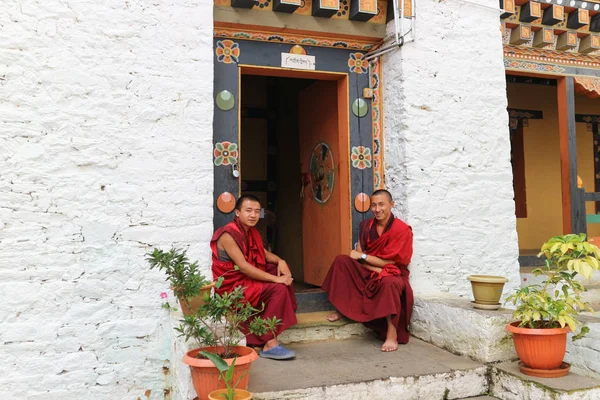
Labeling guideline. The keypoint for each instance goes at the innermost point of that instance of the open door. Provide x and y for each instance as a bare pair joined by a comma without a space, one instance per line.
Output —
324,149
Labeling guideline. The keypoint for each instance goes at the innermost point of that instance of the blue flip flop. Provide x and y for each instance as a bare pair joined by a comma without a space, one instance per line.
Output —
278,353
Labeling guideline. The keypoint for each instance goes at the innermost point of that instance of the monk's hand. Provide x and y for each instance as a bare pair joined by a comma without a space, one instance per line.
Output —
283,269
284,279
356,255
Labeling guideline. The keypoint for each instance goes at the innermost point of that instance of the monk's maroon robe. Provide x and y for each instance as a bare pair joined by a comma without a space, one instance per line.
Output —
368,297
279,300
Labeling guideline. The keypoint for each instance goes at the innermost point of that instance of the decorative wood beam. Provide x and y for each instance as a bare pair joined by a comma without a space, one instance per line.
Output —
589,43
530,11
520,34
595,23
363,10
566,40
286,6
325,8
553,15
508,6
543,37
578,19
243,3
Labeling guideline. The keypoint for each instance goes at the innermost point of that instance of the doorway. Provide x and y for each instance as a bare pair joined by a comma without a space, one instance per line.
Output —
294,157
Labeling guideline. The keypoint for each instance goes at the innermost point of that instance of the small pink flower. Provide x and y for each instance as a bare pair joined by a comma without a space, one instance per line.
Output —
163,295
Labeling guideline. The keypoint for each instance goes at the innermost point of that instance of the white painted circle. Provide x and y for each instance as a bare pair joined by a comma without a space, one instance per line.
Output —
572,3
584,5
559,1
597,6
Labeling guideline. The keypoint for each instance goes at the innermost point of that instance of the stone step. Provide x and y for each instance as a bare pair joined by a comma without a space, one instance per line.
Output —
508,383
358,370
314,327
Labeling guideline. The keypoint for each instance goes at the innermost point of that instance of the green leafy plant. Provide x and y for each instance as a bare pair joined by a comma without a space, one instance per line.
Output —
217,322
226,372
557,301
184,277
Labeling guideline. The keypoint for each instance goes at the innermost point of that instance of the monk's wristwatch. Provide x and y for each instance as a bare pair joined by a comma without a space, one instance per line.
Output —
364,256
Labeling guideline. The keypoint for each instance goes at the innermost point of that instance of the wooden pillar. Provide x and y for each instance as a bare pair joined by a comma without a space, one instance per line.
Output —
571,209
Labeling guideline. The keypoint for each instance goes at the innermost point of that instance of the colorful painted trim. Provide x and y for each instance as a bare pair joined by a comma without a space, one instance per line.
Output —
227,51
551,56
532,66
361,157
292,39
226,153
588,86
377,121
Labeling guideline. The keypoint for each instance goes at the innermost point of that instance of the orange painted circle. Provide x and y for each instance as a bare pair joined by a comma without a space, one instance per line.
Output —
297,50
362,202
226,202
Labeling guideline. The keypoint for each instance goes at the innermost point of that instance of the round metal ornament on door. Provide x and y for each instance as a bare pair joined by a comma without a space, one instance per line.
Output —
322,172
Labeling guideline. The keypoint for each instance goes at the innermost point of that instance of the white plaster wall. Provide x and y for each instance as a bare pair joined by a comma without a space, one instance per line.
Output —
447,149
105,149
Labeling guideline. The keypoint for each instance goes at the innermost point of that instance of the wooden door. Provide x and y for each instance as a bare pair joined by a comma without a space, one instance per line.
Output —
324,152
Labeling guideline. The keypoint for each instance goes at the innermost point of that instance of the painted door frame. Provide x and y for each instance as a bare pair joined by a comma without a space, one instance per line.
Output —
236,57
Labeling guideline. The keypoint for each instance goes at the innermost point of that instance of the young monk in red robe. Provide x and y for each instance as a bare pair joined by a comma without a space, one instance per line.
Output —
371,284
266,277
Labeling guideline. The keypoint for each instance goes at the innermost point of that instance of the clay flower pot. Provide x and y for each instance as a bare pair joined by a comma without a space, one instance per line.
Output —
239,394
487,289
195,301
539,349
205,376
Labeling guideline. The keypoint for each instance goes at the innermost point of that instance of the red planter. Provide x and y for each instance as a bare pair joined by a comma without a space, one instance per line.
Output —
205,376
539,348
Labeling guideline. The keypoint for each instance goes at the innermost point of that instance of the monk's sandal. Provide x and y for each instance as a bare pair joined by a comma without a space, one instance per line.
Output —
278,353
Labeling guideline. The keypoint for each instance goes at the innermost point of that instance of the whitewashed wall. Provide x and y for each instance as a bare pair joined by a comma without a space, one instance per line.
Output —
105,149
447,149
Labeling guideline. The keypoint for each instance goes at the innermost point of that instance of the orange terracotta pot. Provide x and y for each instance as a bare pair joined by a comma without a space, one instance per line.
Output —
539,348
195,301
205,376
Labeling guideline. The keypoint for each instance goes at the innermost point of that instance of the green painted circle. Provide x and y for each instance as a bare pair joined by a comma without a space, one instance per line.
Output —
225,100
360,108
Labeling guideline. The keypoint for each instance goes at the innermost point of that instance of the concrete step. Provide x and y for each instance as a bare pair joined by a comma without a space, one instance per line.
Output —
314,327
508,383
358,370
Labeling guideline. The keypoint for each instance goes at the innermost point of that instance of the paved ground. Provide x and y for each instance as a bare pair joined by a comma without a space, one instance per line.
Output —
348,361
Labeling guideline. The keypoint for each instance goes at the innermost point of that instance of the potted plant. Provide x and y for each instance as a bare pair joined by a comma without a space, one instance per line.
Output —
215,328
487,290
188,284
545,313
226,371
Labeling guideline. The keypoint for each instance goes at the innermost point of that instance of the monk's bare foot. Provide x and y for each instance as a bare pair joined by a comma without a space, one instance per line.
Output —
391,337
270,344
389,345
336,316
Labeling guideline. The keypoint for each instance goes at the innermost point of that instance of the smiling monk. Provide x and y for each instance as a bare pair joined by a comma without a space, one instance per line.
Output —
371,284
266,277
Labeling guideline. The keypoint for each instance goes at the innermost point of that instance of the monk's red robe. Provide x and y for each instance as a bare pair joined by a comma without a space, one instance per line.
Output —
279,300
367,296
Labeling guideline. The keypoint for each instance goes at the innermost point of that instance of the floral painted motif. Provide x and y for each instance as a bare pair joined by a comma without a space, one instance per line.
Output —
357,64
263,3
228,51
361,157
226,153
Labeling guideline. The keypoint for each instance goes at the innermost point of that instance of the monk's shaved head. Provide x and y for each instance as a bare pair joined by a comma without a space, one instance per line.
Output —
383,191
246,197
